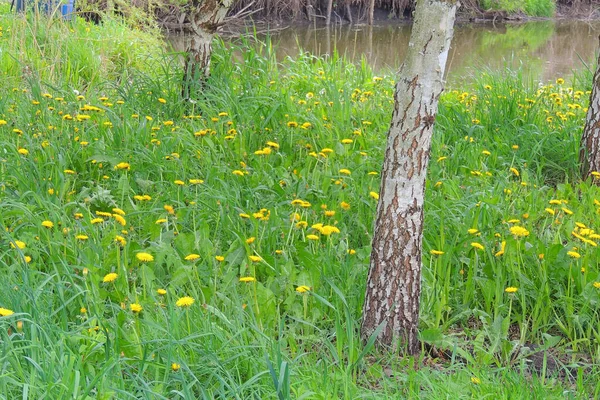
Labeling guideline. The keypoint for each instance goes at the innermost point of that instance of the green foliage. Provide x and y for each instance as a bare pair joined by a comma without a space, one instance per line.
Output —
534,8
74,53
241,178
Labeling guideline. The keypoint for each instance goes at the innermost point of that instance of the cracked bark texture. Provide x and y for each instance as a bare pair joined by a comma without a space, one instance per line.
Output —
589,154
394,282
205,18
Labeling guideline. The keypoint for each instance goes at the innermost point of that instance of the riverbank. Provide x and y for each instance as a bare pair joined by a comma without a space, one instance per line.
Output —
542,50
158,248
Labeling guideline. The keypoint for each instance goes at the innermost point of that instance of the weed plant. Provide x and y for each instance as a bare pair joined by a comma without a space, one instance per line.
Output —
156,248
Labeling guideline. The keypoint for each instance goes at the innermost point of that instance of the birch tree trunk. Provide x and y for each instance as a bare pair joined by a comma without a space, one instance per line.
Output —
394,282
206,16
589,155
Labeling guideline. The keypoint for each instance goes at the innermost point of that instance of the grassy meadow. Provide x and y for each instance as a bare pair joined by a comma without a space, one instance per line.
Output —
152,248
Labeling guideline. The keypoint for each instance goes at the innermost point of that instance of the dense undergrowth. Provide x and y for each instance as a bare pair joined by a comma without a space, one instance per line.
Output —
152,248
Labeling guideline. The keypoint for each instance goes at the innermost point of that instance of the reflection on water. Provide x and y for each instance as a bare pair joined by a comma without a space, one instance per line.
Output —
546,49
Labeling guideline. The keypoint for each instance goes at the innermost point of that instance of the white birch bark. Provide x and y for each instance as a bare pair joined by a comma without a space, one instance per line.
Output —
394,282
589,155
206,17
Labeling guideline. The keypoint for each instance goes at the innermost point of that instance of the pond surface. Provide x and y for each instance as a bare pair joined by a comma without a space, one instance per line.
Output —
544,49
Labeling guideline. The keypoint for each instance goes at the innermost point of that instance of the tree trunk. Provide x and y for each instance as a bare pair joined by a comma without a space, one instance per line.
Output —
371,12
589,155
205,18
329,8
394,282
349,12
197,63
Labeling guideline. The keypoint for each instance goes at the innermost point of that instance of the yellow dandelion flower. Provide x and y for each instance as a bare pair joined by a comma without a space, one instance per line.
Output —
573,254
123,165
175,367
511,289
82,237
303,289
220,258
144,257
135,307
111,277
185,301
169,209
255,258
519,231
374,195
117,210
161,292
328,230
502,248
247,279
478,246
5,312
119,219
48,224
436,252
18,243
192,257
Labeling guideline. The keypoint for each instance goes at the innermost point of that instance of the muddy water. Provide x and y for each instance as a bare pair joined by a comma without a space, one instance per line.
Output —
544,49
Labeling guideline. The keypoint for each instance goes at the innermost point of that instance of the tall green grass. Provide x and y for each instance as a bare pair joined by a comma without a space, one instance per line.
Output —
74,53
74,335
534,8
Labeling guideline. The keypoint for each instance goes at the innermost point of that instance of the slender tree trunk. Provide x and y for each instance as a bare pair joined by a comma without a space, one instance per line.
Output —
329,8
371,12
589,155
394,282
349,12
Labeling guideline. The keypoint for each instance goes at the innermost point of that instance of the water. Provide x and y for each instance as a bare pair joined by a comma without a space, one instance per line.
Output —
544,49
